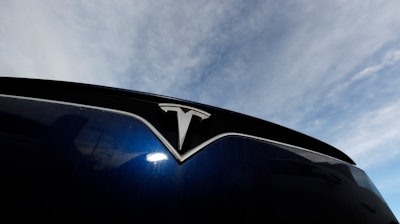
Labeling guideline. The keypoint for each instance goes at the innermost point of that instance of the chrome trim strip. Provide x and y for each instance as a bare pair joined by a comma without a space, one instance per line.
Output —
190,152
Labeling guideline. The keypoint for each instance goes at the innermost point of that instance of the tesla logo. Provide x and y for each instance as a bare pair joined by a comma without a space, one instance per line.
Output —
184,114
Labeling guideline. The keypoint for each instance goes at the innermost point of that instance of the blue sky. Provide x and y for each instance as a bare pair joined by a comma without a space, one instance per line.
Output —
330,69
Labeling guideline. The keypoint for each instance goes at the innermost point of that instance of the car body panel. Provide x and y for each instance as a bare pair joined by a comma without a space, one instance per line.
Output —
89,153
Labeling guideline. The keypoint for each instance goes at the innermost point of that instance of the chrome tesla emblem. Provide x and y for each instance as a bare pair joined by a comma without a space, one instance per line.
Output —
184,118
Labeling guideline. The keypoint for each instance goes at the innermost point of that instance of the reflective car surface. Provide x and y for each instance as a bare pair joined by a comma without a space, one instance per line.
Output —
73,152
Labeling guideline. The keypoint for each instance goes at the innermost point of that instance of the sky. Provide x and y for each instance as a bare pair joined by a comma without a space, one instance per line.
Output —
329,69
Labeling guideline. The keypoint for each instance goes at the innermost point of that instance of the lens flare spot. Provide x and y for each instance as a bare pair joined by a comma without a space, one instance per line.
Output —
156,157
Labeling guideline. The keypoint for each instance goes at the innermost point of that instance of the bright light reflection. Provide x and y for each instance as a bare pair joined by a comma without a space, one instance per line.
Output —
155,157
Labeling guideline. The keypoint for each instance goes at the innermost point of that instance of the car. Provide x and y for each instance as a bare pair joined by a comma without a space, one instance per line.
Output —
75,152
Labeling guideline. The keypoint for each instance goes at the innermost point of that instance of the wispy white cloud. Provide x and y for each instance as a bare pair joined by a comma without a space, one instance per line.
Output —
207,46
315,47
373,137
391,58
